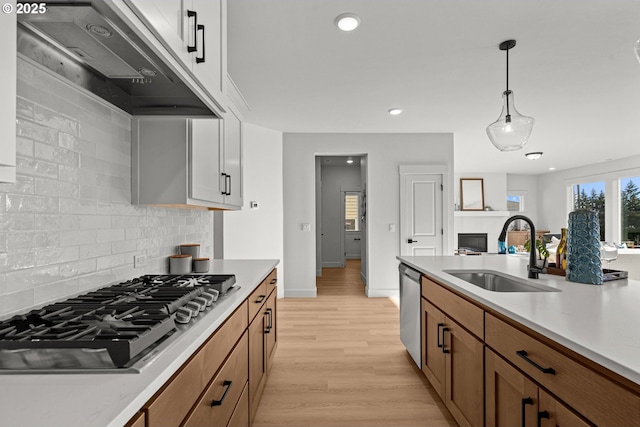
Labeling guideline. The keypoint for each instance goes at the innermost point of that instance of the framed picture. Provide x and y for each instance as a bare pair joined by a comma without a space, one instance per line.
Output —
471,194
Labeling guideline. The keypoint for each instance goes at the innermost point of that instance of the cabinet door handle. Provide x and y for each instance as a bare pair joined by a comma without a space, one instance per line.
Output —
224,178
524,355
226,384
200,59
541,415
194,47
526,401
260,299
269,320
227,187
444,350
440,325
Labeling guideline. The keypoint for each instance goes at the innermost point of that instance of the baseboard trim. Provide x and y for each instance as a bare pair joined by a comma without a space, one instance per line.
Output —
301,293
332,265
382,293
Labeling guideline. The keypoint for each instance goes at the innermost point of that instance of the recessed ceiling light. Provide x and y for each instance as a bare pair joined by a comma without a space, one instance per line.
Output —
535,155
350,161
395,111
552,168
347,21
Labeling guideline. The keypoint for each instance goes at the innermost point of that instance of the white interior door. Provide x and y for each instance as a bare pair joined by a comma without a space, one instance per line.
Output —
421,229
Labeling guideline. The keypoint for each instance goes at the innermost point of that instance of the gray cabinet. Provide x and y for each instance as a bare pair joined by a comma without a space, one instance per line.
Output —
186,162
8,108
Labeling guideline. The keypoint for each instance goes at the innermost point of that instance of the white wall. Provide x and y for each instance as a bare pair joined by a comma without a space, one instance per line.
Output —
527,185
495,189
385,153
257,234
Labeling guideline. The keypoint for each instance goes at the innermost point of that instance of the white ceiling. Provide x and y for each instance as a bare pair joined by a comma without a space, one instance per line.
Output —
574,70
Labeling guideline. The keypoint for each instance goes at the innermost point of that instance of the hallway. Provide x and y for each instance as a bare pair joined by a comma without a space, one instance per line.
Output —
340,362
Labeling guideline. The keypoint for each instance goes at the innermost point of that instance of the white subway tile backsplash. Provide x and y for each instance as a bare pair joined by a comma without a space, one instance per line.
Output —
67,225
53,120
24,147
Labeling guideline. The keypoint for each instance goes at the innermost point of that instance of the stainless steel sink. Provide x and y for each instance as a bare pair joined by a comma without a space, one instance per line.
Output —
498,282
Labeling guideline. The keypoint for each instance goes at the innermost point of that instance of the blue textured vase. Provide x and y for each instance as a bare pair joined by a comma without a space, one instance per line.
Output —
583,248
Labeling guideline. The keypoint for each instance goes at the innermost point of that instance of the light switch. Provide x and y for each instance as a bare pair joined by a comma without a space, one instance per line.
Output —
392,228
306,227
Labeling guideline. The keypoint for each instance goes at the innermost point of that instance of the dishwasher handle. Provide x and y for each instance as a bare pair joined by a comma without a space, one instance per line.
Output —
409,272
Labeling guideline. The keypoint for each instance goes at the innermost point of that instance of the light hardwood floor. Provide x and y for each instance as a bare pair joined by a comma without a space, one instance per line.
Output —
340,362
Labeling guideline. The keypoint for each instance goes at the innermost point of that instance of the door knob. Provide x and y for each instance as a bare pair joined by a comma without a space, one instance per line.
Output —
411,241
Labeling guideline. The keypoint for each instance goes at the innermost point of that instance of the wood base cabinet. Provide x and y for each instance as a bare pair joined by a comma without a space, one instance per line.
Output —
514,400
491,370
453,360
262,339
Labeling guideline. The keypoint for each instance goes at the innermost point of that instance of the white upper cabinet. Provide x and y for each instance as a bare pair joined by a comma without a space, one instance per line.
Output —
187,162
8,106
232,158
194,31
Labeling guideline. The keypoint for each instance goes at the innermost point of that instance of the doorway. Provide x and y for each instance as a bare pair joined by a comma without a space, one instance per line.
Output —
341,213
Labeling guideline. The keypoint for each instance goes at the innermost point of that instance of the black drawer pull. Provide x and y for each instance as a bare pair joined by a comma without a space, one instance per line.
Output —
444,350
200,59
194,46
541,415
526,401
226,384
440,325
260,299
523,354
273,281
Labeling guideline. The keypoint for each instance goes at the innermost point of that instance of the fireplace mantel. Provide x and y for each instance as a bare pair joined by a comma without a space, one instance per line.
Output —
482,213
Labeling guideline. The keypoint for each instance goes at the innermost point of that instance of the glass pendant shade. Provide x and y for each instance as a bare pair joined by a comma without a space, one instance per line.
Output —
512,130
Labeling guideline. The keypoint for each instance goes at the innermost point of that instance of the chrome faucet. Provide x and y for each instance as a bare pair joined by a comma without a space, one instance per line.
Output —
533,268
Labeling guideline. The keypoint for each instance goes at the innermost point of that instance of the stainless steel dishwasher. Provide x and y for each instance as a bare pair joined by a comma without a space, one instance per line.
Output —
410,296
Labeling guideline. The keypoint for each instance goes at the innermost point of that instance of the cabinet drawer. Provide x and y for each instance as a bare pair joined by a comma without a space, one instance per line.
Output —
240,417
257,299
223,341
219,400
468,315
175,401
272,281
588,392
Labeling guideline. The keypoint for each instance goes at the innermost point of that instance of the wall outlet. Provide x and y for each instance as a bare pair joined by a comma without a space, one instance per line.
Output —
139,261
253,205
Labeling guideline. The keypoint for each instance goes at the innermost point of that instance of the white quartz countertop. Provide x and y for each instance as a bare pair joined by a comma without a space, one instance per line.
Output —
600,322
112,399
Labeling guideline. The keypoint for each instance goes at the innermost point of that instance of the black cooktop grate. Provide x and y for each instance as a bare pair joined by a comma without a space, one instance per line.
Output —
124,319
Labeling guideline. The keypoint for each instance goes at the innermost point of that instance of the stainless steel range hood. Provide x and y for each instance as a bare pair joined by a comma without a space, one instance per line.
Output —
89,45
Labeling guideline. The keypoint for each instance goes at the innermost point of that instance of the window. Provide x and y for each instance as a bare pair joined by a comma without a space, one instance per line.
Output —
630,211
352,211
591,195
515,203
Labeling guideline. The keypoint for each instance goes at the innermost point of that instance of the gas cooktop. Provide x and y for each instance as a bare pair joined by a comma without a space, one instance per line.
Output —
112,329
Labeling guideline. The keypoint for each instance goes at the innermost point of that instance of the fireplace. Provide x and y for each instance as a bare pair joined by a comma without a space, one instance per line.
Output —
472,241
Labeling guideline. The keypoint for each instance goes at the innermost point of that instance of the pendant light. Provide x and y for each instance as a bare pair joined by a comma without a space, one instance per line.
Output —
512,130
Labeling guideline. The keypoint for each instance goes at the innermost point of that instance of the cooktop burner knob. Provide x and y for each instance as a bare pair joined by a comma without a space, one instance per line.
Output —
209,298
183,315
214,292
194,307
202,302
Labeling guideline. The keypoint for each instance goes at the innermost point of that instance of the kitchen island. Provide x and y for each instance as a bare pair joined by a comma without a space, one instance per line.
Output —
588,333
112,399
